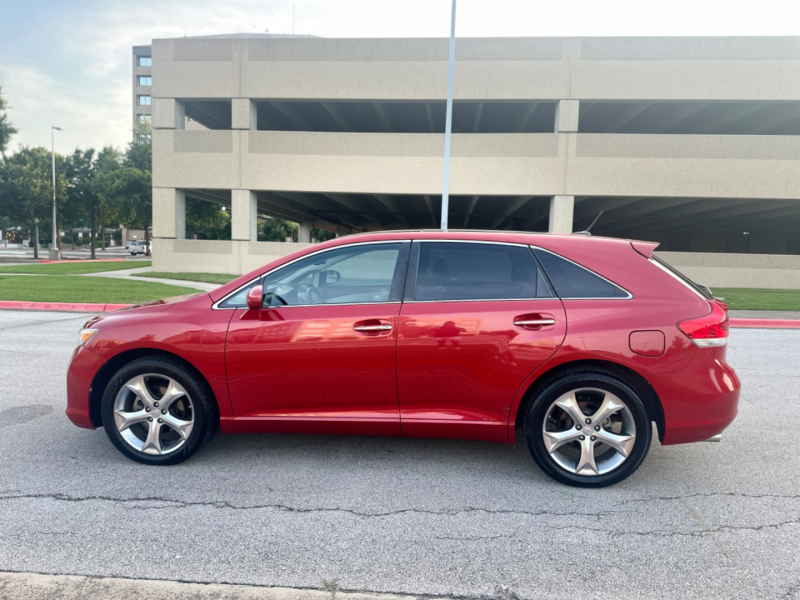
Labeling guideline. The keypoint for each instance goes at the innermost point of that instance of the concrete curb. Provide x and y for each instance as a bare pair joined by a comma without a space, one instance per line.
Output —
35,586
60,306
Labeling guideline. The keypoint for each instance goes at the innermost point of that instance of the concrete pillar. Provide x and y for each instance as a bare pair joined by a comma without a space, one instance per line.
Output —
567,112
561,208
304,232
244,114
244,215
169,213
168,113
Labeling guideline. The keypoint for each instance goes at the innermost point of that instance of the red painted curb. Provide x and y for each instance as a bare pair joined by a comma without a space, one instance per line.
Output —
765,323
60,306
110,307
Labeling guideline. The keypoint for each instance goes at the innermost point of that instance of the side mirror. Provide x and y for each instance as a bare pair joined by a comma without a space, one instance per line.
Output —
255,297
329,276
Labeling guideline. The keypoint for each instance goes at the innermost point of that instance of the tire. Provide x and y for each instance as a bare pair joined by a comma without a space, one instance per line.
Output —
554,437
186,413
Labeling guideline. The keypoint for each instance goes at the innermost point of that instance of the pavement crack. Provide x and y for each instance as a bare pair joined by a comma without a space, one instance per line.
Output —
478,538
705,532
146,503
150,503
681,498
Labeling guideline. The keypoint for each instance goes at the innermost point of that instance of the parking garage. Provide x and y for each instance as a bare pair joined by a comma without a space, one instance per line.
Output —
692,143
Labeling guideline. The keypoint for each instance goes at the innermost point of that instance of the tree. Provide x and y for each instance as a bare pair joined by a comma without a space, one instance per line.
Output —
105,186
140,151
133,190
207,219
6,128
277,230
96,195
79,170
322,235
26,189
134,183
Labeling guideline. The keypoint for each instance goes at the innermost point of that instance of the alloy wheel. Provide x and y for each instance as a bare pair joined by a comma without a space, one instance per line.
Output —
154,414
589,431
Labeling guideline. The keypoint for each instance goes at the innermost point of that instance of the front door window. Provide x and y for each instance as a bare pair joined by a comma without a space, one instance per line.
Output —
362,274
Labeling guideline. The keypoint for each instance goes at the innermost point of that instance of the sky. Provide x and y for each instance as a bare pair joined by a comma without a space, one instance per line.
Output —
68,62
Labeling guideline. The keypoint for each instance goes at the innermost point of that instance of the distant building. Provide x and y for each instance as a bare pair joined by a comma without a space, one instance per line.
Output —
693,142
142,85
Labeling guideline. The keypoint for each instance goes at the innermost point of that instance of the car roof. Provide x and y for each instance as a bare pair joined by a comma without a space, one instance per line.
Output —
526,237
566,244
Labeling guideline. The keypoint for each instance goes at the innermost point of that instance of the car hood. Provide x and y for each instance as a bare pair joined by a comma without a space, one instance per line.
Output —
145,308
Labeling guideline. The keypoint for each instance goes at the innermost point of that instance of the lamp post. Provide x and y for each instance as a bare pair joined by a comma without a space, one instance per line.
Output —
448,128
55,253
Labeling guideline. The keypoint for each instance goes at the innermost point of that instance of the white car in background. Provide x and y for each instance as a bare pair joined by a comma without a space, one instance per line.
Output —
140,247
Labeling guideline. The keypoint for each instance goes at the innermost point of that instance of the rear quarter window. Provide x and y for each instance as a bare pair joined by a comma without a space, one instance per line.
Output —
700,289
571,280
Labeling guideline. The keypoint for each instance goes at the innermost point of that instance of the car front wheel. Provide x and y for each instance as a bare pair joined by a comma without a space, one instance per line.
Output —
588,429
157,411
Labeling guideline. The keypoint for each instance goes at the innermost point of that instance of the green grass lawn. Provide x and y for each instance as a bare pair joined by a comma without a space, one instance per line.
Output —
75,267
757,299
203,277
65,288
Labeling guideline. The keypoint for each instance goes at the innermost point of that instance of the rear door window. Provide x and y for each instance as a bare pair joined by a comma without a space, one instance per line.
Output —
571,280
477,271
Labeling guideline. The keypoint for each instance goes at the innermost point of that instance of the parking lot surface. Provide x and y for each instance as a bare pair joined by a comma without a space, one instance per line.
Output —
409,516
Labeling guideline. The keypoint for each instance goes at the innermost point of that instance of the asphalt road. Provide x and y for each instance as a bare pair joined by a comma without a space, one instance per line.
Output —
409,516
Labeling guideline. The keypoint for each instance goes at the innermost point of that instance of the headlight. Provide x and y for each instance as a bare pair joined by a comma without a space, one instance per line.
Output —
86,334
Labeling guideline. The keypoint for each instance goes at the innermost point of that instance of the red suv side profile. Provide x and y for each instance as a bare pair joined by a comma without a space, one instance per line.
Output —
579,343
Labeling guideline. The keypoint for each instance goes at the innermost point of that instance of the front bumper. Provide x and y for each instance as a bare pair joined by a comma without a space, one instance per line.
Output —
82,369
699,401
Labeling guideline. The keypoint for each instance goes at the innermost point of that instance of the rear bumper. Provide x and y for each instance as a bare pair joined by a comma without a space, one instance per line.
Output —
82,369
700,401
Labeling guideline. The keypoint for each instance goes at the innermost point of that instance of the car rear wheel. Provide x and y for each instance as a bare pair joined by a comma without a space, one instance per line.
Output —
588,429
157,411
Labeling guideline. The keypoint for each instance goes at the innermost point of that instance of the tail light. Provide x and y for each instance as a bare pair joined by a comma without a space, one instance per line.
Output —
711,330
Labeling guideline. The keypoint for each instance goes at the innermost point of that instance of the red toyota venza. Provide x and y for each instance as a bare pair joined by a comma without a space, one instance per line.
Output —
578,344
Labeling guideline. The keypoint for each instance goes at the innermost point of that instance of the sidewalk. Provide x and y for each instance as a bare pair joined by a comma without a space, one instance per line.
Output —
34,586
128,274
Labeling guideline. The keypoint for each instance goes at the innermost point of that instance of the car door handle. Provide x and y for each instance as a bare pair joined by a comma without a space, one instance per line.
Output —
373,328
534,321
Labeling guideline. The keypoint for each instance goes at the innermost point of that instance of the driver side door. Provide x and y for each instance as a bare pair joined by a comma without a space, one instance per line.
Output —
320,357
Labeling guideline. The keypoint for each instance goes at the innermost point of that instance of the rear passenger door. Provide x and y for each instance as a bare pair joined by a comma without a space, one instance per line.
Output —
477,319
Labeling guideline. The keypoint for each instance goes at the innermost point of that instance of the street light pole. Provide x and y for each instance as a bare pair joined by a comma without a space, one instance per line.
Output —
55,253
448,127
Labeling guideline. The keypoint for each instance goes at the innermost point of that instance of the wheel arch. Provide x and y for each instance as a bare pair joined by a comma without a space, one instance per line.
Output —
649,396
115,363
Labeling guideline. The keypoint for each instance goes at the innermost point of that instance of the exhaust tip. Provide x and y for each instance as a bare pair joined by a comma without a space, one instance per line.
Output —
714,438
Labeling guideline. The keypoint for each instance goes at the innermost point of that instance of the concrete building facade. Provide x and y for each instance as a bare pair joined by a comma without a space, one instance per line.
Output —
693,142
142,85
